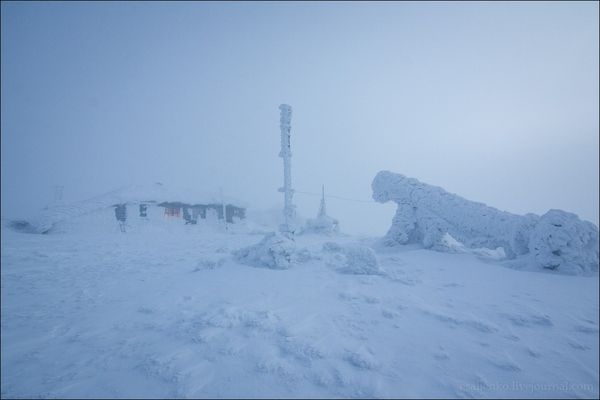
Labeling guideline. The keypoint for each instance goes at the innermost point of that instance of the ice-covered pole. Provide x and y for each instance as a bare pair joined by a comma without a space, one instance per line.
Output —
57,195
289,212
322,208
223,209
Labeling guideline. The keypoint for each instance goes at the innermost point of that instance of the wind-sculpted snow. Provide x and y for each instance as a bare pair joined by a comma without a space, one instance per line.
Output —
427,214
170,314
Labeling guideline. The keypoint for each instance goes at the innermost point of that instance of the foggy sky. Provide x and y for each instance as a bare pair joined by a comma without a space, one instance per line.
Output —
496,102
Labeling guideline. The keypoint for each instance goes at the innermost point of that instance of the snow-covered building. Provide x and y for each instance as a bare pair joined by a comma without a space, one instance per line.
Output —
138,204
191,212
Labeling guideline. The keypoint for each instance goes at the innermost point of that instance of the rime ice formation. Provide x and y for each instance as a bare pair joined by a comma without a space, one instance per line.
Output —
289,212
323,223
560,240
351,258
555,241
275,251
360,260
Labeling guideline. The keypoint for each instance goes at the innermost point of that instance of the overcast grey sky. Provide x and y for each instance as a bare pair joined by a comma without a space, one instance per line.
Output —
497,102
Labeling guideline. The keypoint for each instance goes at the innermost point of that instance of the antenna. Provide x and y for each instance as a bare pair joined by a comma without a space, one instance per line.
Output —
57,194
289,212
322,208
223,209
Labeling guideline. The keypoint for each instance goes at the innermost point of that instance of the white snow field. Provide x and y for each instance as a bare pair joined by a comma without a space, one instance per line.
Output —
172,312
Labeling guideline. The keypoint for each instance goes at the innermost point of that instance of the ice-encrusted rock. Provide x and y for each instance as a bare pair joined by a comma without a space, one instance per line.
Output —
425,214
275,251
561,241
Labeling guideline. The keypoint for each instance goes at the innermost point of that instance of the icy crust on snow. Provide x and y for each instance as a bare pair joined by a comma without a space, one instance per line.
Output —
426,214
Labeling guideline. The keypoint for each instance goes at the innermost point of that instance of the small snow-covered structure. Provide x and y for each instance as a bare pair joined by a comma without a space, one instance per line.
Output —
323,223
557,240
155,202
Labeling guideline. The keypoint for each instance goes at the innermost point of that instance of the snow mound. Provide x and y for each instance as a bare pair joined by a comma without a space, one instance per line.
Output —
209,262
450,245
360,260
275,251
427,214
354,259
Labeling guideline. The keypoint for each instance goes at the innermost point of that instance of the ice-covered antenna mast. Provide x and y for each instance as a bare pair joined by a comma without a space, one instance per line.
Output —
322,208
289,212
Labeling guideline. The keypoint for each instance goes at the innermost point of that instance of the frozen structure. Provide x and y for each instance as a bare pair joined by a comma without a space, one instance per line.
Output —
154,203
323,223
426,214
289,211
277,250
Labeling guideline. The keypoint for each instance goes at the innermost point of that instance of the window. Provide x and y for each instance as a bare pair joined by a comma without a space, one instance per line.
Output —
172,211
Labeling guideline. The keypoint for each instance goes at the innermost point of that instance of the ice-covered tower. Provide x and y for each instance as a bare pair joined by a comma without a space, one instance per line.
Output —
57,196
289,212
323,223
322,208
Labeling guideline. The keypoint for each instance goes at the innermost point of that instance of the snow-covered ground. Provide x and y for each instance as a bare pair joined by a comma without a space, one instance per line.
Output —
171,313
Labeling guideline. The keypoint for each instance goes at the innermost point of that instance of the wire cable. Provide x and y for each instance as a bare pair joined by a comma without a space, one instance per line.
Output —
335,197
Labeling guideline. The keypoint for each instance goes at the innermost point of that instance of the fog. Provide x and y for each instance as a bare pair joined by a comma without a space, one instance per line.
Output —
497,102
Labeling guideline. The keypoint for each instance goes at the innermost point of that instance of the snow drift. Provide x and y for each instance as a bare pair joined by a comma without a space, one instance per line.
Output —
557,240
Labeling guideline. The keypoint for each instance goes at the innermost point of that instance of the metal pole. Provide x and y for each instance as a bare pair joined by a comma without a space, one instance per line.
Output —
286,153
223,209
